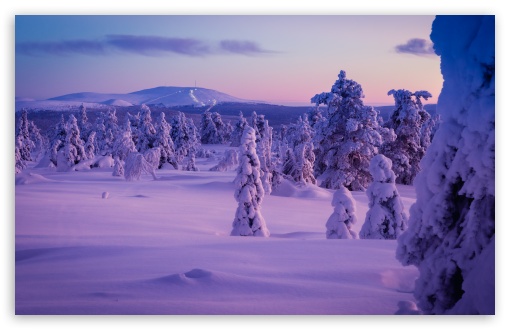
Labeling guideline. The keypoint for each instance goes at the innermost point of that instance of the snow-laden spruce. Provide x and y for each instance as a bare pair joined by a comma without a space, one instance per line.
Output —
344,216
74,150
349,137
385,218
163,140
264,142
451,231
249,192
298,158
118,167
238,129
407,120
124,143
184,135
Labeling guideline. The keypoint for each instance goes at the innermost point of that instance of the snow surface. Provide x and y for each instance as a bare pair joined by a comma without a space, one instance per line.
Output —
163,247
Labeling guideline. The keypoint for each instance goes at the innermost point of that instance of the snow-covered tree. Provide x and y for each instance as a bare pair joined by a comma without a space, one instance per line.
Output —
24,143
124,144
211,128
385,218
74,149
163,140
40,141
451,235
349,138
344,216
299,156
249,192
406,150
190,164
90,149
83,123
146,130
237,133
19,162
264,142
185,136
229,160
135,165
118,167
428,130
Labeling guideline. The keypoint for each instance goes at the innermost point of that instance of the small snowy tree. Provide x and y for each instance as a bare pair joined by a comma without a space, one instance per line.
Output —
190,165
451,235
349,138
118,168
406,150
385,218
124,143
83,123
229,160
344,216
135,165
249,192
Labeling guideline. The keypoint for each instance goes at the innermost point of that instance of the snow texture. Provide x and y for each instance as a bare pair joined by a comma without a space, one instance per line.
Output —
452,225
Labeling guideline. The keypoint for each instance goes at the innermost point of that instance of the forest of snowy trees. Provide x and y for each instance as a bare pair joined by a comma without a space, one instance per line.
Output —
343,145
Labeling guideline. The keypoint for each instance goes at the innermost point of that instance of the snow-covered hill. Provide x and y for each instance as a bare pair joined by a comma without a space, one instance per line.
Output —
166,96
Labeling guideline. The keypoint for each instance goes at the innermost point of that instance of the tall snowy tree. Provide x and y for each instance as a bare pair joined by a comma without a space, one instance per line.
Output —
339,224
146,130
163,140
349,138
451,235
90,149
406,150
19,162
185,136
385,218
73,150
237,133
83,123
264,142
249,192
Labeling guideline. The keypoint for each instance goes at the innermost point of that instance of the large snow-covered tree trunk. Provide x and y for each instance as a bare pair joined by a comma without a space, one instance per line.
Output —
249,192
452,224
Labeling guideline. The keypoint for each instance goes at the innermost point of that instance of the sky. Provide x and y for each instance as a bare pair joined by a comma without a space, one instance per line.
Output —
282,59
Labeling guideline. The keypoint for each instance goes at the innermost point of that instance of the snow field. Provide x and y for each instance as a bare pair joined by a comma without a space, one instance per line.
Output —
163,247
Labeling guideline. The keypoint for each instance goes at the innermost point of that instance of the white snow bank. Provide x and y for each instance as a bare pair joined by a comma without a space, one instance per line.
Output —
290,189
30,178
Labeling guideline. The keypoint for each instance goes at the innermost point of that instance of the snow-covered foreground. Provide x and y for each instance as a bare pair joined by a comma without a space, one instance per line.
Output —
164,247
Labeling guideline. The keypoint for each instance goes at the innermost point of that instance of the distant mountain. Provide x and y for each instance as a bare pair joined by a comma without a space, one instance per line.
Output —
161,96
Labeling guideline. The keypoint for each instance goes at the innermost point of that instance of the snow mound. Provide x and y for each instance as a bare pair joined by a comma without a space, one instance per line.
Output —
406,307
30,178
195,276
400,280
289,189
117,102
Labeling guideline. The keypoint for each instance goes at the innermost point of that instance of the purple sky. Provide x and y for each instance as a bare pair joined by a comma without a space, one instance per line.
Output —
279,59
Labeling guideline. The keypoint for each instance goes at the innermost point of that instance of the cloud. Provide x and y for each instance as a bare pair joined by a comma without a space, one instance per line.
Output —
140,45
153,45
62,48
249,48
420,47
